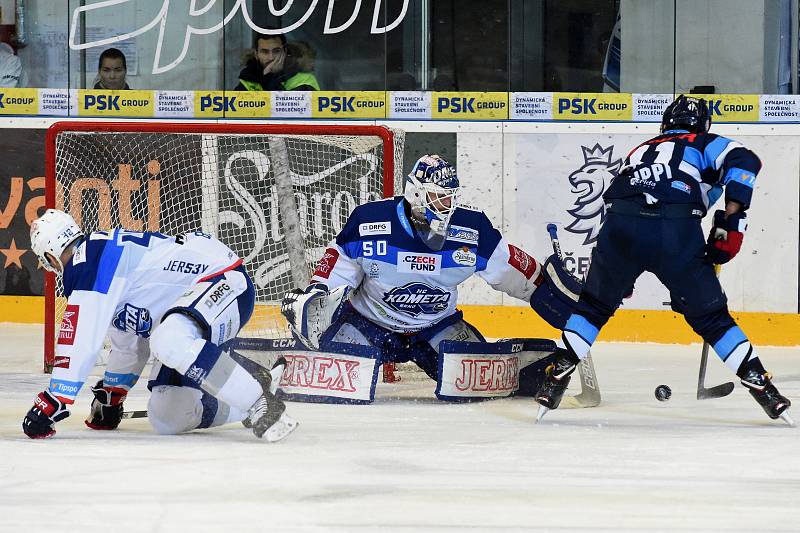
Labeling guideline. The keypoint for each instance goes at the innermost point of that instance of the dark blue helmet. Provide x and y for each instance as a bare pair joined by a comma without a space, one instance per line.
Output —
687,113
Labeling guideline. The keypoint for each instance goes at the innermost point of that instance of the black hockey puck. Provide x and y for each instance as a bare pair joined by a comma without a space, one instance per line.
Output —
663,393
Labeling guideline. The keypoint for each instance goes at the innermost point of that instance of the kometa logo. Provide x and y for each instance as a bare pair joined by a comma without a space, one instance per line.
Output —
417,298
134,319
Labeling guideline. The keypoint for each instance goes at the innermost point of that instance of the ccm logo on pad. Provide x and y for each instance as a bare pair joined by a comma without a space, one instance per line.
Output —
375,228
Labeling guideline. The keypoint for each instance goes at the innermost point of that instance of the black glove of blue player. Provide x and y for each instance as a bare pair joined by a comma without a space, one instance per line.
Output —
725,238
41,420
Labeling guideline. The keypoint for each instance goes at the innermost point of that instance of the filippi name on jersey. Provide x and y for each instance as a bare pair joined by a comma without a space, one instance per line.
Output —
417,298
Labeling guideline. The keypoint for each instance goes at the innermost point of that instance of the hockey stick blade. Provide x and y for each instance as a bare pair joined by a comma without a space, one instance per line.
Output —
786,418
134,414
718,391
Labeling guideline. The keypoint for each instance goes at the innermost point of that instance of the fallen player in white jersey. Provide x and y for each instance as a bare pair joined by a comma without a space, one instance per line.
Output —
179,298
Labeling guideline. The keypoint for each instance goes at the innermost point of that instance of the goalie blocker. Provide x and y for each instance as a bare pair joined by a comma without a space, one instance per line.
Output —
468,371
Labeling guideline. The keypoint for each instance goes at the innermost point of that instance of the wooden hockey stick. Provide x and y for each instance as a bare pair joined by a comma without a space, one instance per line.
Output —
590,391
718,391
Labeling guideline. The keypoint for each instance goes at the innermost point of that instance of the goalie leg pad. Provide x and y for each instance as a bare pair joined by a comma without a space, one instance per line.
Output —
556,298
470,371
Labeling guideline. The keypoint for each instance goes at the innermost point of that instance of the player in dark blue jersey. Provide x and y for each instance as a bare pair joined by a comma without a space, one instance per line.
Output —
655,206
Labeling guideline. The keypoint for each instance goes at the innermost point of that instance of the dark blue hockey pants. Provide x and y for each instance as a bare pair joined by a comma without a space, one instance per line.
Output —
670,248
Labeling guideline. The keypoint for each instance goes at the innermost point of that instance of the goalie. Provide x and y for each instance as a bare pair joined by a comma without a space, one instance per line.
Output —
390,278
180,298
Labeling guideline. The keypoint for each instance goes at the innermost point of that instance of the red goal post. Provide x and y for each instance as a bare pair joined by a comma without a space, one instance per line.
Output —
274,193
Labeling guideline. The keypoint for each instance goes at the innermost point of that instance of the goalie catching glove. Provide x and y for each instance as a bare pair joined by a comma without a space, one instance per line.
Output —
725,239
311,312
106,410
40,422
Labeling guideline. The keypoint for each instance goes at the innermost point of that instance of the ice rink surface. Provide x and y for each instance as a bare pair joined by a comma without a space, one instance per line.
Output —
411,463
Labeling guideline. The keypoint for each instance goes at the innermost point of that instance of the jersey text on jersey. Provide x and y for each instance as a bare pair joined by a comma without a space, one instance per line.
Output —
327,263
185,267
417,298
418,263
375,228
69,325
462,234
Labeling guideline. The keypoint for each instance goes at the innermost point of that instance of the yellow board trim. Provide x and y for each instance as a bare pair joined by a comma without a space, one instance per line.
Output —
22,309
664,327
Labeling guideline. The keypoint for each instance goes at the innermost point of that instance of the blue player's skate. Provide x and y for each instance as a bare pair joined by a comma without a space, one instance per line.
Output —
773,402
556,382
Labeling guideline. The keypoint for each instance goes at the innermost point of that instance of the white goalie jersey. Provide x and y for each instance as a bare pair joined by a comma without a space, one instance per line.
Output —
403,285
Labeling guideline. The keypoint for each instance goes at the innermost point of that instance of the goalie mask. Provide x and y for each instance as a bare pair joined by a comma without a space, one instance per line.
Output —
432,190
51,234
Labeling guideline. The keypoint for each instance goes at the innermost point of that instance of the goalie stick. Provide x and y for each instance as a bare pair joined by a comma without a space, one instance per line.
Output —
717,391
590,392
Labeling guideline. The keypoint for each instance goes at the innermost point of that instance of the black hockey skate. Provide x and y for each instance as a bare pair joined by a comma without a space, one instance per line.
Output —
773,402
267,417
558,376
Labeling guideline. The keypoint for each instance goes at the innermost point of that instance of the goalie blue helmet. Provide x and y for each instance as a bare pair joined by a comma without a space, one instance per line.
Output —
687,113
431,188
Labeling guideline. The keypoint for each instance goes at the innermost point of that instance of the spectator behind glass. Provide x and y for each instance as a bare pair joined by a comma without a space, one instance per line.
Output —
271,67
10,67
111,70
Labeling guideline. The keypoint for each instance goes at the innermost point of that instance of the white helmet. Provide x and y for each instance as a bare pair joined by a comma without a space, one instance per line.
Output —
432,190
51,234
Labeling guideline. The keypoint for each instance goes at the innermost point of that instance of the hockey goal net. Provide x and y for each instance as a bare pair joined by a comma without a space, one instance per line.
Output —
276,194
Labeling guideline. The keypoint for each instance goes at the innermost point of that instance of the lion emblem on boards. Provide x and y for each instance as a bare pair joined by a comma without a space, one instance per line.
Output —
589,183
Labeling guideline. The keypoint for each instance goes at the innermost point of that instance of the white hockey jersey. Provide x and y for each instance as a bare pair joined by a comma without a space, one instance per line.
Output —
120,283
403,285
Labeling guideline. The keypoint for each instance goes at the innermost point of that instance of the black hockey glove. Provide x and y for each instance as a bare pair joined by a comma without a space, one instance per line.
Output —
725,238
41,420
106,410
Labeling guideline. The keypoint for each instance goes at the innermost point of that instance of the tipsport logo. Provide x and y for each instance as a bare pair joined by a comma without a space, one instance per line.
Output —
589,182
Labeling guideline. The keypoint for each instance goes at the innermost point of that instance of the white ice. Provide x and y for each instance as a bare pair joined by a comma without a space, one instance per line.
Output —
411,463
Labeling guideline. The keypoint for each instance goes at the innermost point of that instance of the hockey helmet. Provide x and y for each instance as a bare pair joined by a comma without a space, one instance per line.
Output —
51,234
687,112
432,190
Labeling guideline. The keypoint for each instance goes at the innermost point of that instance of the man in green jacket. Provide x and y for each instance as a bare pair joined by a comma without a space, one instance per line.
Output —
273,68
